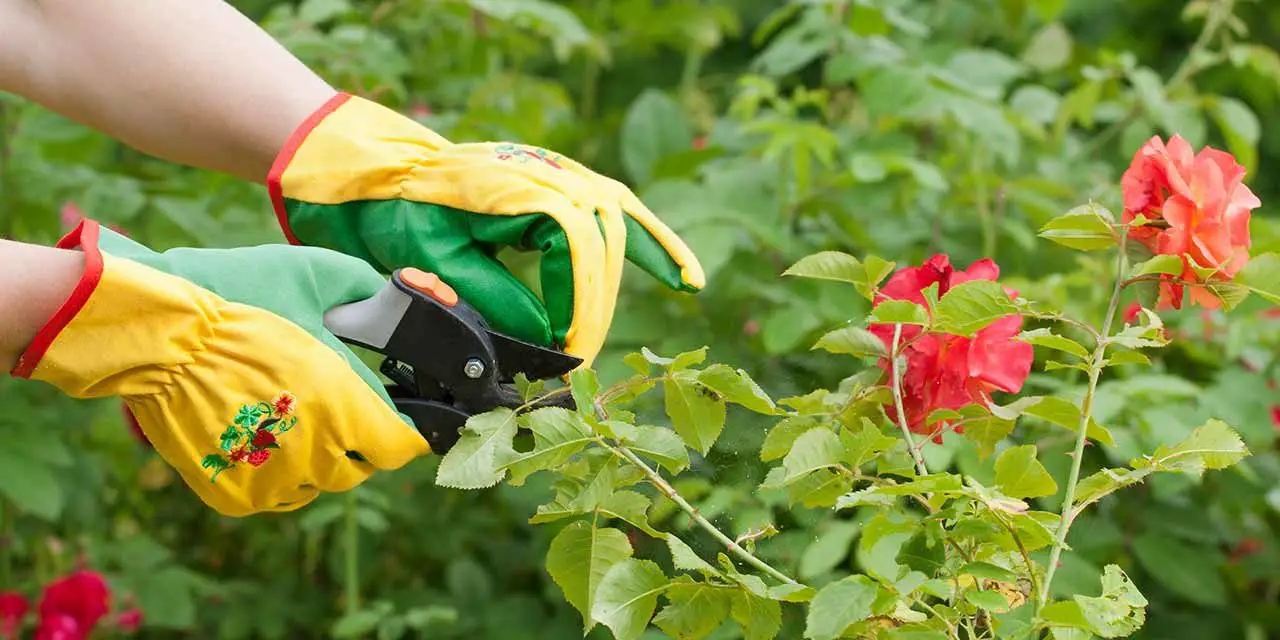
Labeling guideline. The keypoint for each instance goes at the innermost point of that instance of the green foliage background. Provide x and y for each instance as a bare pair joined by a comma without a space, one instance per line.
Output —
762,131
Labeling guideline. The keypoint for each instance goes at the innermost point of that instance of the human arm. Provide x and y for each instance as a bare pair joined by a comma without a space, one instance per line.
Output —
34,281
193,82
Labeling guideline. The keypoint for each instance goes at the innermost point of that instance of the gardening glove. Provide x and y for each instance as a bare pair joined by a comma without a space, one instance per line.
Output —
364,180
223,359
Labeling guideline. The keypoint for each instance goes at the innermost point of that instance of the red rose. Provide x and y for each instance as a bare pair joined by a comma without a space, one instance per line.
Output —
83,596
258,457
13,608
60,626
263,438
948,371
1202,208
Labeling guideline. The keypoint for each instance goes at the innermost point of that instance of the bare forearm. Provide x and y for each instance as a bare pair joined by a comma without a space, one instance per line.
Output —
34,282
193,82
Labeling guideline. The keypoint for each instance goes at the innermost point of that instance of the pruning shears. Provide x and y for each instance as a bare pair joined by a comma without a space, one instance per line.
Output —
444,362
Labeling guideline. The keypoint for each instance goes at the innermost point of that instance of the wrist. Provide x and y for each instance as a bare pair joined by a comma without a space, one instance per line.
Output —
35,282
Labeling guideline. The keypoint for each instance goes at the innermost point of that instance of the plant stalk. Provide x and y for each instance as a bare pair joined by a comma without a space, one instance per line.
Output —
1086,412
896,374
665,487
351,544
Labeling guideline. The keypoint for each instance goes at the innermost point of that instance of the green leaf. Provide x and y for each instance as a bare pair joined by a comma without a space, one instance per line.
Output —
760,618
989,600
1084,228
987,432
631,507
737,387
898,312
814,450
659,444
1020,475
1050,340
475,462
852,340
585,386
1166,264
578,559
1050,48
1105,482
865,444
685,559
988,571
1262,276
683,361
315,12
827,551
780,438
695,609
839,605
654,127
1057,411
1211,446
1121,609
972,306
558,434
924,552
627,597
30,484
829,265
697,413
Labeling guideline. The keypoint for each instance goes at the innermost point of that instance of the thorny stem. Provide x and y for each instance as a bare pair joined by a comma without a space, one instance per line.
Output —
670,492
921,468
1086,411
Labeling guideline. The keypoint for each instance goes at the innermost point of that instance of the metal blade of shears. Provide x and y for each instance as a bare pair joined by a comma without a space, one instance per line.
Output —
536,363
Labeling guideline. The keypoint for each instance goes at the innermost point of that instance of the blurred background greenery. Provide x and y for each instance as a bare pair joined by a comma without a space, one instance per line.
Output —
762,131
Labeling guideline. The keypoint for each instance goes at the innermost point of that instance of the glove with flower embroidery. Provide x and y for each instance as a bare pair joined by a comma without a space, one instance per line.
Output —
362,179
223,358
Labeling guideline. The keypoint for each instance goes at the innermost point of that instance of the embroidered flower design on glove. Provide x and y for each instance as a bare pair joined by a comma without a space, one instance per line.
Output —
252,434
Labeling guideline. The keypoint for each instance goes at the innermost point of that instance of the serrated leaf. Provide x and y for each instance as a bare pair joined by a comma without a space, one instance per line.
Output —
760,618
1209,447
852,340
688,359
697,413
1084,228
632,508
779,439
1105,482
1121,609
578,559
971,306
989,600
1262,276
1050,340
1020,475
814,450
737,387
627,597
684,558
1161,264
585,386
988,571
898,312
558,434
695,609
864,444
476,460
839,605
829,265
1064,414
986,433
637,362
659,444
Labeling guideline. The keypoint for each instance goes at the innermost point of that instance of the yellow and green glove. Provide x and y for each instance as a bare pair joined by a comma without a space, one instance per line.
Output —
364,180
223,358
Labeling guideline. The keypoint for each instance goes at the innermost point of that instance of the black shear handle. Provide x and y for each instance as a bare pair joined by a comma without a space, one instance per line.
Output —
439,423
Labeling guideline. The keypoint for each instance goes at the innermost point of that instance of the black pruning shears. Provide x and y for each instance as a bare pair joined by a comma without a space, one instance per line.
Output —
443,360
